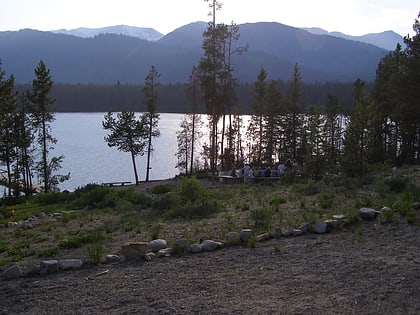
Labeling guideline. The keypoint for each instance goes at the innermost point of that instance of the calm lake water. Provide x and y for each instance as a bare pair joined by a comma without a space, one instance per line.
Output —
89,159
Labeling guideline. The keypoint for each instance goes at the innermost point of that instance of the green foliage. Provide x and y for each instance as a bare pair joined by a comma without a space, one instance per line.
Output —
325,200
51,198
95,252
49,252
262,217
81,240
162,189
165,202
311,187
276,201
155,231
396,184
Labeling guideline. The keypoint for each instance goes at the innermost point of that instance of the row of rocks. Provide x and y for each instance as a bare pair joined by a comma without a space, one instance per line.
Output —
45,267
159,248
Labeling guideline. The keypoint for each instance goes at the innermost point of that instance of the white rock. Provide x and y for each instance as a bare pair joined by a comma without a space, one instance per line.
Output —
48,266
245,234
320,227
157,244
65,264
110,259
367,213
209,245
232,238
195,248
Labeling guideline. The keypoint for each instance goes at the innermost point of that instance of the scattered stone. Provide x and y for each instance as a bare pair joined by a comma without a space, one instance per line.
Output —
166,252
385,210
263,237
111,259
232,238
42,215
157,244
209,245
148,257
26,226
320,228
304,227
195,248
12,273
181,246
11,224
245,234
297,232
48,266
66,264
368,213
135,250
339,217
287,231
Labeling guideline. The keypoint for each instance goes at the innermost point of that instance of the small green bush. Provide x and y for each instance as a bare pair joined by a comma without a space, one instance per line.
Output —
396,184
325,200
95,253
52,198
165,202
162,189
262,217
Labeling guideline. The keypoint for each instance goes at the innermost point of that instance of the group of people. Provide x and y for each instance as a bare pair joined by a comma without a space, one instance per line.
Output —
278,171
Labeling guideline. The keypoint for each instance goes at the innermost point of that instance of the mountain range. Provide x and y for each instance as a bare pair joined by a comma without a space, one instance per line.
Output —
125,54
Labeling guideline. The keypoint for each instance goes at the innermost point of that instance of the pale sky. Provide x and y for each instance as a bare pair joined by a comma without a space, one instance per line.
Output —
352,17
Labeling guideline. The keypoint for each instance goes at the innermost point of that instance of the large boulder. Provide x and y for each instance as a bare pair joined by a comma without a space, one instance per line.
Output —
157,244
135,250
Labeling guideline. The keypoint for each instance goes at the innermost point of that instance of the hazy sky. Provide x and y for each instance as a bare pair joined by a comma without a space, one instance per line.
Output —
353,17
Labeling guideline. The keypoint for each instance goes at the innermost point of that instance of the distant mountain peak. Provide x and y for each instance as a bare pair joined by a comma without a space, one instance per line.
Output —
387,39
145,33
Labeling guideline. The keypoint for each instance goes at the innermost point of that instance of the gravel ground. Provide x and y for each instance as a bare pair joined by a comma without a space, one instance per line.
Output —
374,269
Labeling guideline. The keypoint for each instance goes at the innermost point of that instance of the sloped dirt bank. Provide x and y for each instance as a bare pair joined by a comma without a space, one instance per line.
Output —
374,269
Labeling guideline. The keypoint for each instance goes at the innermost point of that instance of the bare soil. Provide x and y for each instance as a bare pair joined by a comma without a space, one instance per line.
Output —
370,269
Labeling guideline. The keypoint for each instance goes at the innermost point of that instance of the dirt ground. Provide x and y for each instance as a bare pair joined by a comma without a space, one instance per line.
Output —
374,269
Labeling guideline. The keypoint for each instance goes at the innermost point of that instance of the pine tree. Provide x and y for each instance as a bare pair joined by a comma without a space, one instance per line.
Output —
41,118
150,118
8,106
127,134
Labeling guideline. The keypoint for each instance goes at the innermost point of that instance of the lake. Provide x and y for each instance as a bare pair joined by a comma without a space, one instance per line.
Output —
89,159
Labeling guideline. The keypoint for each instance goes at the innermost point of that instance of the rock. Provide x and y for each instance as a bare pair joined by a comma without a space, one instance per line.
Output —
66,264
244,235
339,217
48,266
232,238
33,270
195,248
263,237
297,232
148,257
11,224
166,252
42,215
27,226
367,213
12,273
111,259
320,228
287,231
181,247
276,232
208,245
385,210
157,244
304,227
135,250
